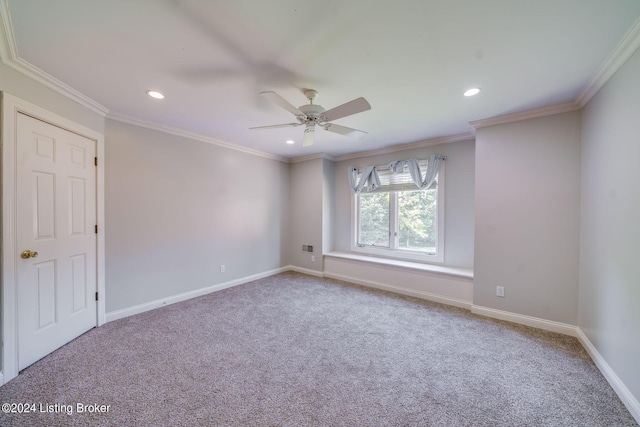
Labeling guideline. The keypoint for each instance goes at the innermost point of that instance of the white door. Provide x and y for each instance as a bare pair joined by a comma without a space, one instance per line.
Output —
55,217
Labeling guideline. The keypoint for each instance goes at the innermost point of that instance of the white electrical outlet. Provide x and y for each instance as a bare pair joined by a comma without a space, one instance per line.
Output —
313,258
500,291
222,268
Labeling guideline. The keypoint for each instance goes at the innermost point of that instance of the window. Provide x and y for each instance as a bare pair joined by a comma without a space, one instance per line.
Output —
399,220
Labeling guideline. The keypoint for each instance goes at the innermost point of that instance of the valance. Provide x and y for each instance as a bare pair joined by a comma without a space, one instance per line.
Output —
433,167
370,179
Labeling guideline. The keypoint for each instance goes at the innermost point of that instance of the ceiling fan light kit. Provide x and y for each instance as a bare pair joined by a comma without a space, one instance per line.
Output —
309,134
312,114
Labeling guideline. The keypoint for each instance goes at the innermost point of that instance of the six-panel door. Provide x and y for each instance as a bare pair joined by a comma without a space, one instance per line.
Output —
56,216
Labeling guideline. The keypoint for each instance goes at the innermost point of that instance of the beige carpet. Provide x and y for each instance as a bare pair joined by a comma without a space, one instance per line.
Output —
293,350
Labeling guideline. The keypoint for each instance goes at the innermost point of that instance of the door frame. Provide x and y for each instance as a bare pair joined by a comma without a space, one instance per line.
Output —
11,107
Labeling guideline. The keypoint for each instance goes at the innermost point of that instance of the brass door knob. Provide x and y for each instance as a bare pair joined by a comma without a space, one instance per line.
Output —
28,254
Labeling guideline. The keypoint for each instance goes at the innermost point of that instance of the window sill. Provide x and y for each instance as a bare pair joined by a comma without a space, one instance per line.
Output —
399,255
465,273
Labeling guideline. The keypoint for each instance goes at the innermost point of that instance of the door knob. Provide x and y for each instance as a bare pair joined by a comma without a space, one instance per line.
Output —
28,254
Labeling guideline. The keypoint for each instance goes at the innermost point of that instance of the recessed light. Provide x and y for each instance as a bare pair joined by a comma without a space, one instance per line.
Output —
290,141
155,94
472,91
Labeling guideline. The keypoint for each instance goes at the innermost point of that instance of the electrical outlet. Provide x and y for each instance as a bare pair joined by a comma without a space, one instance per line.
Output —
313,258
222,268
500,291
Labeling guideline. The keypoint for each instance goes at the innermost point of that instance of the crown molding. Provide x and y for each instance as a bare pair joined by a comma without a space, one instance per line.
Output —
191,135
7,43
409,146
312,157
629,44
525,115
51,82
9,56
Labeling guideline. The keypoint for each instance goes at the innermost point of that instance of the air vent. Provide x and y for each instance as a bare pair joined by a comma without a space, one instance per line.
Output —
307,248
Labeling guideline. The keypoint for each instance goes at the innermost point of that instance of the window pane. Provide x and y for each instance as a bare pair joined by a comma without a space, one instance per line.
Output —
374,219
417,220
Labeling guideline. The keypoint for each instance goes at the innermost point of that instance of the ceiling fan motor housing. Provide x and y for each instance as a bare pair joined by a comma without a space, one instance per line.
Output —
312,111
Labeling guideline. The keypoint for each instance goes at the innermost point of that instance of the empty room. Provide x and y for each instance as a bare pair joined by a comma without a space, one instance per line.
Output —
341,213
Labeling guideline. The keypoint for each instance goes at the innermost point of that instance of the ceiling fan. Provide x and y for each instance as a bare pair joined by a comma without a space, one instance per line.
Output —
312,114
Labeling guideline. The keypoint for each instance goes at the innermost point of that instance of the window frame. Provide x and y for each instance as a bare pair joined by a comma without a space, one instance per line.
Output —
393,251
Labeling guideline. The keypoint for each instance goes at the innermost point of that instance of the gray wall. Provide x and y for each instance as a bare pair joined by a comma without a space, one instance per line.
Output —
328,191
527,214
177,209
459,209
610,226
306,213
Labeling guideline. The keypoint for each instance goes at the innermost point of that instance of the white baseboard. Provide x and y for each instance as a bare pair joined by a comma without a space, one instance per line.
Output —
535,322
141,308
305,271
614,381
400,290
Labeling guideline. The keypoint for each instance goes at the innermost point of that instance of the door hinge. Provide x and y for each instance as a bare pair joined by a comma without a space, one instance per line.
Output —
95,161
96,228
96,296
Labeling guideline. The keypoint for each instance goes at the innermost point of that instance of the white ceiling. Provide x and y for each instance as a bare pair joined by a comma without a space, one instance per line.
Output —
411,59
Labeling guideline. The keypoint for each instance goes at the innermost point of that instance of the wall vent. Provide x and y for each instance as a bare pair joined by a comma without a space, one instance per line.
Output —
307,248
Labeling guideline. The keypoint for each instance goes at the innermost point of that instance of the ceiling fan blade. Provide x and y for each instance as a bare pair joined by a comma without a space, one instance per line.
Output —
285,125
278,100
352,107
343,130
307,139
